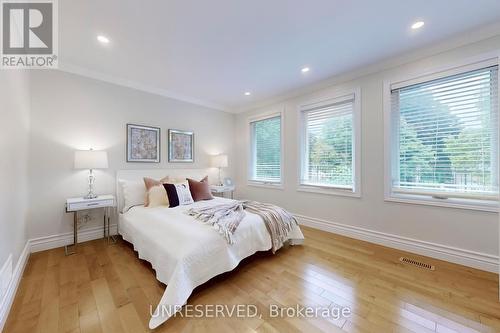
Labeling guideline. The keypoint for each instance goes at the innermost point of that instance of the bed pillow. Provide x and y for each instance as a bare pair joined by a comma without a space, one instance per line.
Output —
178,194
155,192
134,193
176,179
200,190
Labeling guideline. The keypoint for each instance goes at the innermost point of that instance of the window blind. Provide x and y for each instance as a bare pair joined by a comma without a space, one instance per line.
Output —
266,150
328,151
447,136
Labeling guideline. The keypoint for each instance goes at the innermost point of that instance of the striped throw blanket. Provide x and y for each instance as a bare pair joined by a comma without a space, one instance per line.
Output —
226,218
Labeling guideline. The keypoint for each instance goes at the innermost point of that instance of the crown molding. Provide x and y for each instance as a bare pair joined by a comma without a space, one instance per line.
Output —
96,75
454,42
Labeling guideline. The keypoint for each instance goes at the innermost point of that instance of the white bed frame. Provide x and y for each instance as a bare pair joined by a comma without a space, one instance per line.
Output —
138,175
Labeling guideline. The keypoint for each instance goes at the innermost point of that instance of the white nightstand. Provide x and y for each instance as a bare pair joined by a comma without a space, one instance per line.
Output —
221,189
74,205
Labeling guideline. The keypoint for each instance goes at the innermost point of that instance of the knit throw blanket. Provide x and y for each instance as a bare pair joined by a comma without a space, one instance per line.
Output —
226,218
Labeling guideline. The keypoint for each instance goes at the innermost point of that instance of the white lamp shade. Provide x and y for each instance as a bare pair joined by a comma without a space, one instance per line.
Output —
219,161
91,159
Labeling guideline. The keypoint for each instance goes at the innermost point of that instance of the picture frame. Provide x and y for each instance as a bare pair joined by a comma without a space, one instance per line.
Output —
180,146
143,144
228,181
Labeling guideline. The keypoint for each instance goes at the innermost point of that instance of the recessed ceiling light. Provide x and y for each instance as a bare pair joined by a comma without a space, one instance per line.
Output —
417,25
305,69
103,39
248,93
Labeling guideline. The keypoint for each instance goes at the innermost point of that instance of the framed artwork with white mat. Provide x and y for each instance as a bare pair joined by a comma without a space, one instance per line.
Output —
143,143
180,146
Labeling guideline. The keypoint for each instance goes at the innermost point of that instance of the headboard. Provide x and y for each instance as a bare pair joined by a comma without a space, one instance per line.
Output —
138,175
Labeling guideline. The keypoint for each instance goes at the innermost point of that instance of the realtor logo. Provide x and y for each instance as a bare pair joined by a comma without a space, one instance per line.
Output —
29,38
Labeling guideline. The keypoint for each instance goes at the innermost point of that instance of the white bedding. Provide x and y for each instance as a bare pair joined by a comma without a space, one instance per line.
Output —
186,253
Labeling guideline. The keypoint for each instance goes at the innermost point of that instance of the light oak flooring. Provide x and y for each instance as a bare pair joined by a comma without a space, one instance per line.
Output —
106,288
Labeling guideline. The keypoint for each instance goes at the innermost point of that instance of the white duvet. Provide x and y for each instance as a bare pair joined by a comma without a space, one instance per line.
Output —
186,253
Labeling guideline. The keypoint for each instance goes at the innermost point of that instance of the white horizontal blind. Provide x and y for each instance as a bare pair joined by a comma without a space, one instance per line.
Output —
447,132
328,152
266,150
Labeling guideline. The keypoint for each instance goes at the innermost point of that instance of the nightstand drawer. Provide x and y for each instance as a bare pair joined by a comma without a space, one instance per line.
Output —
221,189
89,205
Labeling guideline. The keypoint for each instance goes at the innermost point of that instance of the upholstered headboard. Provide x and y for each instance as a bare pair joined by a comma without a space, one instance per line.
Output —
138,175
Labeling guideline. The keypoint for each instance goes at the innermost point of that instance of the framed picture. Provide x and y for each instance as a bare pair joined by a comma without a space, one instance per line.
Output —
180,146
143,144
228,181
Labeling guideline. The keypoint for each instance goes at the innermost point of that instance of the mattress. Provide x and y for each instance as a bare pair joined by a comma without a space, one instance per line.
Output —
186,253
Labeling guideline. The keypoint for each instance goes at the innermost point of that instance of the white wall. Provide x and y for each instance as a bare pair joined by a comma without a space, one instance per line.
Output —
71,112
14,141
464,229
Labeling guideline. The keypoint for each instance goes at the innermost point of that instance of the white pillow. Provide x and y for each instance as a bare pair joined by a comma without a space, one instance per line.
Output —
178,194
184,193
134,193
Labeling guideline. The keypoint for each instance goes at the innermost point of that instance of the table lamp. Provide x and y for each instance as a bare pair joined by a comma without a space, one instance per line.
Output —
91,160
219,161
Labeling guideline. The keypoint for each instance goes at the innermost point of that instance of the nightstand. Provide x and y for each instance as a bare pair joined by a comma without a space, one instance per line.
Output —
74,205
221,189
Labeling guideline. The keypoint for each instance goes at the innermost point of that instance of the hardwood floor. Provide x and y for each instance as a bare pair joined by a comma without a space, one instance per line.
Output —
108,289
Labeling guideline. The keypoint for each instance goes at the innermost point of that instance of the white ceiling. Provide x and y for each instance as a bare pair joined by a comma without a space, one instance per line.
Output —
211,52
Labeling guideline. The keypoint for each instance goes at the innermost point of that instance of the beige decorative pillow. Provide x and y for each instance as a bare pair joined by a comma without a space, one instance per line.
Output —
175,180
157,196
155,192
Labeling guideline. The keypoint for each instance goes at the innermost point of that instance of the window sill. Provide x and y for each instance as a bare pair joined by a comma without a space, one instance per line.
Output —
274,186
481,205
328,190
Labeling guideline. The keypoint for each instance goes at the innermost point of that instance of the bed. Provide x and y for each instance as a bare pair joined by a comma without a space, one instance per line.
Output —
184,252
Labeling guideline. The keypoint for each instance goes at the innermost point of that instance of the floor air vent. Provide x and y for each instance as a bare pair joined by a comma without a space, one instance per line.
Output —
417,263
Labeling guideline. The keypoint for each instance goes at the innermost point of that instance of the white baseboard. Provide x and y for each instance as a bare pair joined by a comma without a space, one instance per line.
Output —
17,274
482,261
55,241
5,277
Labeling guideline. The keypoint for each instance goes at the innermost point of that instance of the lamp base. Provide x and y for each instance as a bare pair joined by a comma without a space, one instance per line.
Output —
220,179
91,194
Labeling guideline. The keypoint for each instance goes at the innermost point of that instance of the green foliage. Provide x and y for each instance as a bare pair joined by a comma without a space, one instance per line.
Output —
431,122
330,152
417,156
441,147
471,154
268,148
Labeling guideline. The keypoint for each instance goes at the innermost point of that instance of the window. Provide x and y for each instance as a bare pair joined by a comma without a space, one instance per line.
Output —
444,137
266,150
329,141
